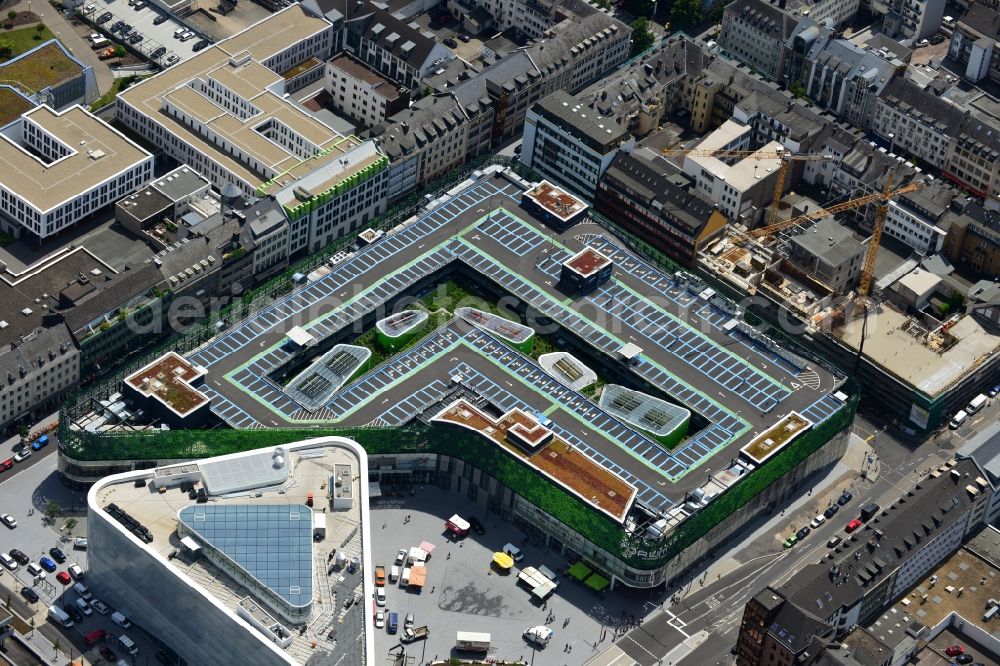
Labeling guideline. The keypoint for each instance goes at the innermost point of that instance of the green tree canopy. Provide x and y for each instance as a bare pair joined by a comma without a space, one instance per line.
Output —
685,13
642,36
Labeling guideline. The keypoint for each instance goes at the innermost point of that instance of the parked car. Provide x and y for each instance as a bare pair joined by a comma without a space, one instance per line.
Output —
108,654
400,556
63,578
94,637
802,533
80,543
119,618
8,520
936,39
834,542
172,59
380,596
29,594
477,526
464,37
84,607
380,620
19,557
99,606
140,4
57,555
199,45
186,36
845,497
161,19
158,52
964,659
994,392
35,571
75,571
104,18
23,454
74,612
450,43
790,541
817,521
832,510
135,39
853,525
954,650
6,464
9,562
47,564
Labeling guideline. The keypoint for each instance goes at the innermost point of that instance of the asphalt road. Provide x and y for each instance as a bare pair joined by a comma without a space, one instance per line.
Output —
702,626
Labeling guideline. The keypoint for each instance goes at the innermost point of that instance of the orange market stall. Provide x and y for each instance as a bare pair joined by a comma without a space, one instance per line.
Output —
418,575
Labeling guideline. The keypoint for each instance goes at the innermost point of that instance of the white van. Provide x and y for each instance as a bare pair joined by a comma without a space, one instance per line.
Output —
977,403
82,590
119,618
958,419
394,573
128,645
513,551
57,614
35,571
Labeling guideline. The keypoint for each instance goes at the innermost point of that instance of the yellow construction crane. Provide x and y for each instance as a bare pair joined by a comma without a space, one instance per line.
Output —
779,153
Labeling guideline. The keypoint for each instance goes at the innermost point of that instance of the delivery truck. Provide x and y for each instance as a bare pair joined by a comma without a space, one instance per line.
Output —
472,641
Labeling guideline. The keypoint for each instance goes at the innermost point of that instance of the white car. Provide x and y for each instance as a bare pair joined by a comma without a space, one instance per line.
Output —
84,607
35,571
8,561
380,620
23,454
75,571
401,556
8,520
99,606
80,543
380,596
817,521
119,618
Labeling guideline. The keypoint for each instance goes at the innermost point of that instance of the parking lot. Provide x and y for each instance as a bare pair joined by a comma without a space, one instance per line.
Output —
24,496
463,592
142,21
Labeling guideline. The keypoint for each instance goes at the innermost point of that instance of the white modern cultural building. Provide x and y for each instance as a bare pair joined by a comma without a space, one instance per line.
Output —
230,560
59,167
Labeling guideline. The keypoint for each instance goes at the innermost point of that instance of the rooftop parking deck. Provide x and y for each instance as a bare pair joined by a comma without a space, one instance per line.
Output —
738,386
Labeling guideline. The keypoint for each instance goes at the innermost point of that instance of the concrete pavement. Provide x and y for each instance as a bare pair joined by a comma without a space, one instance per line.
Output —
67,34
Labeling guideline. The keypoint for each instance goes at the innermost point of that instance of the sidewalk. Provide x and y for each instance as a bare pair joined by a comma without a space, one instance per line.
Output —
61,27
843,474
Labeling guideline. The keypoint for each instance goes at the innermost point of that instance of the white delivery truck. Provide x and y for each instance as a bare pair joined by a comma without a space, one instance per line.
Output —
57,614
472,641
977,403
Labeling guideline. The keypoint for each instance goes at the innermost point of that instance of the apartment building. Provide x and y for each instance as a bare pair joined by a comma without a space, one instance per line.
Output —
650,198
223,113
754,32
973,240
37,370
973,43
915,218
58,167
571,143
361,93
741,188
470,114
914,123
956,136
841,76
911,20
882,561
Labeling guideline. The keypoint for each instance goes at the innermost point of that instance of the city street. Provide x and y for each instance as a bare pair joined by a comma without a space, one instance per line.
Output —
702,626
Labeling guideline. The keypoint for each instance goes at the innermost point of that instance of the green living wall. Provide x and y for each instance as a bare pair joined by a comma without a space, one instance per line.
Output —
529,484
